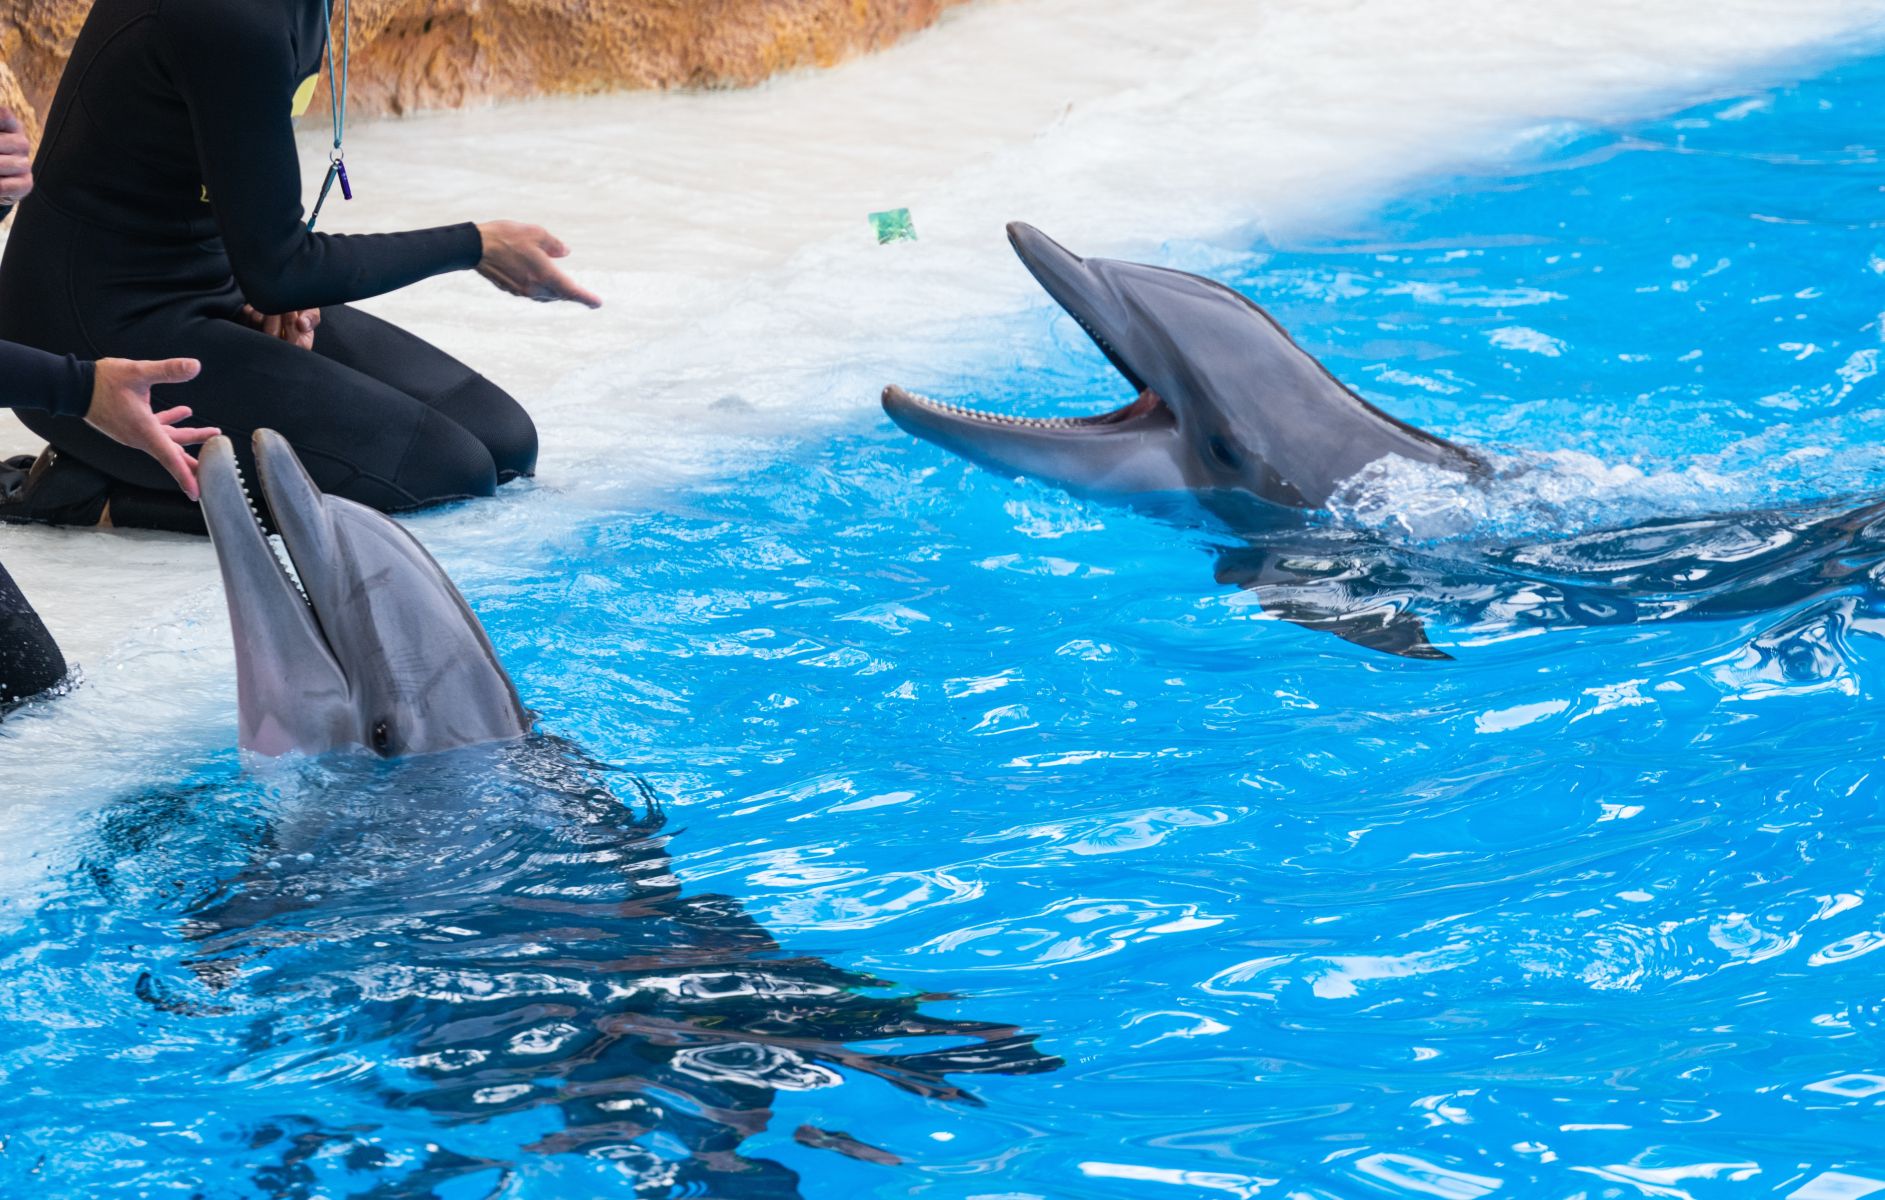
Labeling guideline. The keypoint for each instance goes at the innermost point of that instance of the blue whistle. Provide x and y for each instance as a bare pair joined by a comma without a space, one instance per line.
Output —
346,189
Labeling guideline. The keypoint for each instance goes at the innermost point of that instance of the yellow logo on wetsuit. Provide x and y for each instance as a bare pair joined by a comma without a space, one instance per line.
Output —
298,107
304,96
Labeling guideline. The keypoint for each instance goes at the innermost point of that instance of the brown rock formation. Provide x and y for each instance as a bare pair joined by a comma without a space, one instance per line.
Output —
410,54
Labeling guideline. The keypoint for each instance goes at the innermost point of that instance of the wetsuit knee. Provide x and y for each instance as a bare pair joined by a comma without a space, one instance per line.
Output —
443,462
515,451
489,414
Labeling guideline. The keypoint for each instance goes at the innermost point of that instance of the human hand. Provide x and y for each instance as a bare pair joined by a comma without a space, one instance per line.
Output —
517,259
295,328
16,159
121,410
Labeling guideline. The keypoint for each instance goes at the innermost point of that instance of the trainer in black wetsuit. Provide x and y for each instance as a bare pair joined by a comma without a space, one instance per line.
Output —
30,661
169,195
113,396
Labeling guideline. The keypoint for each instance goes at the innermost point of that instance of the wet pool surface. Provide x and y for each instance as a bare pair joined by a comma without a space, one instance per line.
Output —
896,828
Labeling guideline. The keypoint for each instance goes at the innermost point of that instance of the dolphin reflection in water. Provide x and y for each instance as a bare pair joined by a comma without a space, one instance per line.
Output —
1820,569
490,935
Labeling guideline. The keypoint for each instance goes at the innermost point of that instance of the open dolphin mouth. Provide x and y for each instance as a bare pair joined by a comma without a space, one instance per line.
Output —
274,567
238,524
1064,276
284,660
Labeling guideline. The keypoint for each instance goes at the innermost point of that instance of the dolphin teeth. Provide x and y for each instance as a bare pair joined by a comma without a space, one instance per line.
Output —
992,418
275,545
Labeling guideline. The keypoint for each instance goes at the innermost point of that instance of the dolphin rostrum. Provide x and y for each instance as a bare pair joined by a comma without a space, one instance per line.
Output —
366,644
1231,411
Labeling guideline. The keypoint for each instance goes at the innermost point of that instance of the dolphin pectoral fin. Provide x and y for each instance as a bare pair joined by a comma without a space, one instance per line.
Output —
1319,594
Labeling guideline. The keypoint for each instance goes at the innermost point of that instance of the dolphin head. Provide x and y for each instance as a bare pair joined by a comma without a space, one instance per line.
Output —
367,644
1226,401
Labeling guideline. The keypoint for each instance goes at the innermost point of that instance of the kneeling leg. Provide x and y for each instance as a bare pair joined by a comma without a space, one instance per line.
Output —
358,437
435,379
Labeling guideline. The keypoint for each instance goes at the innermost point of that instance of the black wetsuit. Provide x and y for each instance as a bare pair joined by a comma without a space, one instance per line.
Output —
168,193
30,661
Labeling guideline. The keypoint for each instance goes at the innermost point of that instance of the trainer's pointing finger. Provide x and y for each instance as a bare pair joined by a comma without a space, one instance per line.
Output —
566,288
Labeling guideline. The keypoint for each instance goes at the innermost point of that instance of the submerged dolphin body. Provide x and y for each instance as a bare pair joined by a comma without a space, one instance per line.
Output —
1821,566
368,644
492,935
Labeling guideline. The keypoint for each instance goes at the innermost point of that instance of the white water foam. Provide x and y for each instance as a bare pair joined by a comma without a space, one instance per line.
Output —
1532,494
748,301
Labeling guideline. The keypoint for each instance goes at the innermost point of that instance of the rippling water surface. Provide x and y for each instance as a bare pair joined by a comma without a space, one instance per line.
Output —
957,837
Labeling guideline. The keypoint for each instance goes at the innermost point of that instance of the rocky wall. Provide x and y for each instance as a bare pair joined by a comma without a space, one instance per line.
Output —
411,54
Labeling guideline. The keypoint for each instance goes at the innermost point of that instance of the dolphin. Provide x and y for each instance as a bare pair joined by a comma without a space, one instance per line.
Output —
366,644
1228,407
497,912
1233,413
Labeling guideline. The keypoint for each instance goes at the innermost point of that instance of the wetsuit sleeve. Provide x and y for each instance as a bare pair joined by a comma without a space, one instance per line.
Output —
233,63
49,382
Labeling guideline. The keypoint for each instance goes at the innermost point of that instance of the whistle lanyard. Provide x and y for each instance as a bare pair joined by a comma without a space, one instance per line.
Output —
337,104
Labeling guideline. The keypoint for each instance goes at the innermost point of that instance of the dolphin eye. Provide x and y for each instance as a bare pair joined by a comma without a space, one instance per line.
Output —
382,738
1222,453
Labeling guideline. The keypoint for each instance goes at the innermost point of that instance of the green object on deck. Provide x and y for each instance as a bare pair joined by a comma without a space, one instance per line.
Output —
893,226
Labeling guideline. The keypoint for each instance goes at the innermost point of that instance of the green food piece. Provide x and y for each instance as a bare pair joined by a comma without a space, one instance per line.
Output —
893,226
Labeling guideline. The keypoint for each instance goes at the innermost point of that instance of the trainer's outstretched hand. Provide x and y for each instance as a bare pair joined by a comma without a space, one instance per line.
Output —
517,258
16,159
121,410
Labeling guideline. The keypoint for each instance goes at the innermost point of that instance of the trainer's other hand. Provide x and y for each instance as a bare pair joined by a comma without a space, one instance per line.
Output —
16,159
517,258
121,410
296,328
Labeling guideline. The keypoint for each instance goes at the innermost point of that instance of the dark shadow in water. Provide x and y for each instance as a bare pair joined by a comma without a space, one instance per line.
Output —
1377,594
513,932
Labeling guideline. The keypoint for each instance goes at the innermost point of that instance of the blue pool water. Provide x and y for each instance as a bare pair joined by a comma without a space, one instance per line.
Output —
980,825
